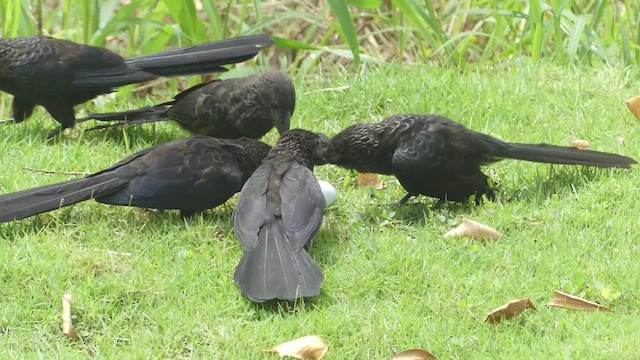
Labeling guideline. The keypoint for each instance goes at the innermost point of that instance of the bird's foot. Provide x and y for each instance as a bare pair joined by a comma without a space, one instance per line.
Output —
8,121
53,133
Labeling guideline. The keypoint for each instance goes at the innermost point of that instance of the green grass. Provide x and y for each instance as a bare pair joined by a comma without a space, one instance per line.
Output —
392,281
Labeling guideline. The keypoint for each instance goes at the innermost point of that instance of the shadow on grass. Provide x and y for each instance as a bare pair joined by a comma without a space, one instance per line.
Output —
536,190
149,133
559,180
119,218
266,310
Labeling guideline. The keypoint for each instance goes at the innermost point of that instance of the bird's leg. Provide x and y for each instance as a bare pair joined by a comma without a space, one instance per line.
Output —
188,214
64,114
404,199
21,110
439,204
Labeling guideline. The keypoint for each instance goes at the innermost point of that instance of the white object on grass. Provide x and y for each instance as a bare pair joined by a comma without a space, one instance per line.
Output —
328,191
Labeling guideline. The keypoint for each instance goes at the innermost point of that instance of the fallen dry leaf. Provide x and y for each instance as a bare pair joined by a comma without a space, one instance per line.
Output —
414,354
370,179
509,310
309,347
67,325
581,144
474,230
568,301
634,105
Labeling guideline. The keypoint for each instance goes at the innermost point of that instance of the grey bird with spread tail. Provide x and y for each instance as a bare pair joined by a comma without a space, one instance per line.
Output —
279,212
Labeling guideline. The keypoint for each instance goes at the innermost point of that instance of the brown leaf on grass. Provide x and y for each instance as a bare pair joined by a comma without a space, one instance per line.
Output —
67,325
414,354
474,230
308,347
370,179
509,311
634,105
568,301
581,144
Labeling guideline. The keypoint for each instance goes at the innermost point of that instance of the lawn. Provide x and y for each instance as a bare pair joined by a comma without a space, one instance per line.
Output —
151,285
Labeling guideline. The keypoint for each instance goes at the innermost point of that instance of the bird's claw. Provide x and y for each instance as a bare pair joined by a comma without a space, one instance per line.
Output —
404,199
53,133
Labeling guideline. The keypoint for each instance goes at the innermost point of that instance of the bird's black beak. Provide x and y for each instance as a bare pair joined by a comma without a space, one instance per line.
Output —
284,124
323,150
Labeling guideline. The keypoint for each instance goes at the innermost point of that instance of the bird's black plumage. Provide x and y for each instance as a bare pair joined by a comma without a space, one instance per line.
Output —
231,108
279,211
59,74
190,175
435,156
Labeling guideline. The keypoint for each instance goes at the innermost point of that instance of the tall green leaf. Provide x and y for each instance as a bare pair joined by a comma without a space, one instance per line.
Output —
348,32
185,14
575,35
11,18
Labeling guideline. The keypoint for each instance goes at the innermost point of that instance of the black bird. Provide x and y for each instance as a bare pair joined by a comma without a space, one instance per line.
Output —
190,175
59,74
232,108
279,211
435,156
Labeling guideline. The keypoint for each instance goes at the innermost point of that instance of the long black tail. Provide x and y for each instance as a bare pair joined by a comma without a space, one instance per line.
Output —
553,154
143,115
202,58
273,270
22,204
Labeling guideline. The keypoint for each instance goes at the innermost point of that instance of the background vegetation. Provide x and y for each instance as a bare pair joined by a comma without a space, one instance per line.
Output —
408,31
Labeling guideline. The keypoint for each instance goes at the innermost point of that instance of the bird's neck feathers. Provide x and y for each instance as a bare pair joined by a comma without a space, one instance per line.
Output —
359,148
296,149
252,153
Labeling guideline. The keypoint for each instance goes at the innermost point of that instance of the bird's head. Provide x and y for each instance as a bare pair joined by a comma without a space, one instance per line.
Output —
336,148
354,147
305,145
283,98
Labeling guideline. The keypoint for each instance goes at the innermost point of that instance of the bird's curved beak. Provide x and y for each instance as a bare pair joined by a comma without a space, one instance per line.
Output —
284,124
323,153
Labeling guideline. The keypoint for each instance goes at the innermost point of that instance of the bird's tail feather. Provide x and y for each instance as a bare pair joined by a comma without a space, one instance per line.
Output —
143,115
272,270
22,204
564,155
202,58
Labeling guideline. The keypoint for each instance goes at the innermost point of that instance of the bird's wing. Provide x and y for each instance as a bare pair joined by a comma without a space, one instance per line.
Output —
302,205
196,88
251,211
438,144
198,172
205,110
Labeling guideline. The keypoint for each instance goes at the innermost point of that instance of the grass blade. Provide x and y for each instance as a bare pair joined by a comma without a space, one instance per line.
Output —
348,32
575,36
